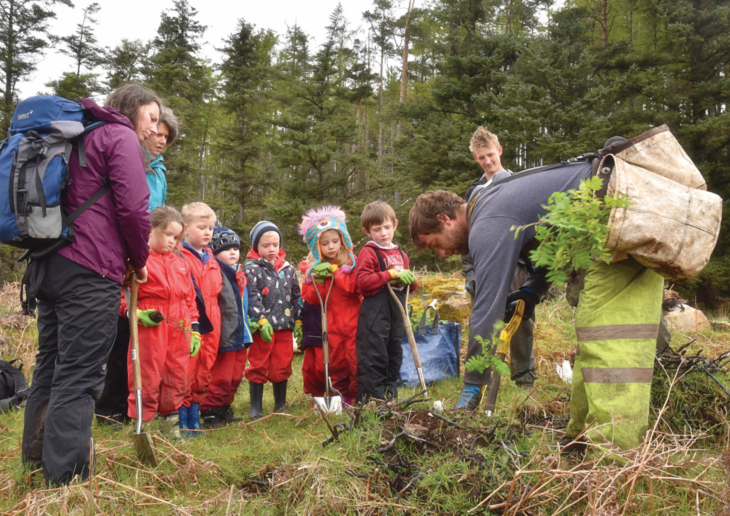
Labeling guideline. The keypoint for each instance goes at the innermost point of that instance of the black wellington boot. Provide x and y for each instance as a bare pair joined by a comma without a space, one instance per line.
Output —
211,418
256,391
279,396
227,415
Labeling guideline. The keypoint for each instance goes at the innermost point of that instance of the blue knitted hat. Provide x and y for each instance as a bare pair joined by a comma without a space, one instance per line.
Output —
258,231
224,238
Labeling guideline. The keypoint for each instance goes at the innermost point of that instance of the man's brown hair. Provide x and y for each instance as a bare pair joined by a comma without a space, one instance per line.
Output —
423,218
376,213
483,138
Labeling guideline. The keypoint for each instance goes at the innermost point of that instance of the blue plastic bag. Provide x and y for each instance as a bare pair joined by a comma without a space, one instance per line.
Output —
438,346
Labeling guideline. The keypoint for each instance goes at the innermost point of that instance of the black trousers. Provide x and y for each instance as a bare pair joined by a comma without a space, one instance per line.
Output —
379,346
114,399
77,324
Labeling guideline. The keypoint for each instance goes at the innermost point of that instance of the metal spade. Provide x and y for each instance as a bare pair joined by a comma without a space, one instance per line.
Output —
411,337
328,403
141,441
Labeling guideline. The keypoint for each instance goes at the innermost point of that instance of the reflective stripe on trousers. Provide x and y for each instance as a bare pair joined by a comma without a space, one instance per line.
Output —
617,323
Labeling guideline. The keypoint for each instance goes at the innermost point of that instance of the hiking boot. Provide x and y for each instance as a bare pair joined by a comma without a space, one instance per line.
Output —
568,445
280,396
170,427
226,414
469,399
211,418
194,419
256,391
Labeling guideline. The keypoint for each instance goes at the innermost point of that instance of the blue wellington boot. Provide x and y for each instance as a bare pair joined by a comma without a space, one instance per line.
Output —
182,414
194,419
469,397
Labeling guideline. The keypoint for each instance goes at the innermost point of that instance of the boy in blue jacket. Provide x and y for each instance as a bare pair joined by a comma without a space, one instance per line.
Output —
227,372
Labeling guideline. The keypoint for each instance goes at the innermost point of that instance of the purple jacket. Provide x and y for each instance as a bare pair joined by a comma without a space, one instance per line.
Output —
115,229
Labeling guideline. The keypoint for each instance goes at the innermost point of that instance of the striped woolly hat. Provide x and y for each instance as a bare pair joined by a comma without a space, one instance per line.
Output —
258,231
317,221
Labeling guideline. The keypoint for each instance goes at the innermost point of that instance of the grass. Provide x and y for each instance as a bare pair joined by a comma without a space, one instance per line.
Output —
278,465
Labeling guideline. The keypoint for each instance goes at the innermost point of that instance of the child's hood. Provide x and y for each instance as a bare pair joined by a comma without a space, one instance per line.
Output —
279,262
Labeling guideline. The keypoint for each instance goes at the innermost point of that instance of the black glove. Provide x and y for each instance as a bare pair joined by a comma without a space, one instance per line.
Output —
528,297
471,282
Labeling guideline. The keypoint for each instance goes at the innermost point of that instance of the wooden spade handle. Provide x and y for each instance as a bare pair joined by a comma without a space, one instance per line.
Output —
132,305
409,330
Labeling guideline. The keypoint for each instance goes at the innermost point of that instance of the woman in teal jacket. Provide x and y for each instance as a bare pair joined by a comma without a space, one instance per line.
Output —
167,130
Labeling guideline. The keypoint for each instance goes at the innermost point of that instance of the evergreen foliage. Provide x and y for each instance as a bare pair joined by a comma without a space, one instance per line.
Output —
279,124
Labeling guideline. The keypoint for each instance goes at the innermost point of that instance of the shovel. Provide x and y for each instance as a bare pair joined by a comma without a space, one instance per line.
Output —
411,337
502,350
141,440
328,404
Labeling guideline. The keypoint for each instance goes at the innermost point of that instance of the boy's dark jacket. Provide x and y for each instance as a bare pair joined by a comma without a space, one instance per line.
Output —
235,334
273,292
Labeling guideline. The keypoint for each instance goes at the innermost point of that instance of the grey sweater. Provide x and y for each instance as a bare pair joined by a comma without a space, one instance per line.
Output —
492,243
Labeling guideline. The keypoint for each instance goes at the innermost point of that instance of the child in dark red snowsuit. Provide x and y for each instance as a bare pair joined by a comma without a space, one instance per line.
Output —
165,347
199,224
274,302
380,325
325,232
227,372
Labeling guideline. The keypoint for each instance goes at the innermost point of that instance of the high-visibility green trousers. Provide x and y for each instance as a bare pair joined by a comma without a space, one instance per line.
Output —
617,323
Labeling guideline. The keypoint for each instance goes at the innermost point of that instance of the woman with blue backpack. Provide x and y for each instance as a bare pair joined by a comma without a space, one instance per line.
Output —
78,291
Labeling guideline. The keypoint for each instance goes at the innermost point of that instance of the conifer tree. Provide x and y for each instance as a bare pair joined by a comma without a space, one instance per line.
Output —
246,76
24,36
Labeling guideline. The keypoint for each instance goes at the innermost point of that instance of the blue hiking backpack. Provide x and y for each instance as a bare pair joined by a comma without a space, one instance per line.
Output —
33,174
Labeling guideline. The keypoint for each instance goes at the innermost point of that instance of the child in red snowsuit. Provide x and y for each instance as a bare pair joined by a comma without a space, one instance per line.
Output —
273,298
165,347
227,372
199,221
325,232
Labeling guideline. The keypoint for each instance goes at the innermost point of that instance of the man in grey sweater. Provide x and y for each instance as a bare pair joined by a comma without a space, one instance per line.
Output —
487,151
445,223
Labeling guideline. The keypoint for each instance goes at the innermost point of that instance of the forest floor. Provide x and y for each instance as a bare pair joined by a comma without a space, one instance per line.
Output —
402,460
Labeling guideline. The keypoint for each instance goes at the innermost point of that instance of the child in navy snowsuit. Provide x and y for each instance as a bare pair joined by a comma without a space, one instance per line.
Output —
380,326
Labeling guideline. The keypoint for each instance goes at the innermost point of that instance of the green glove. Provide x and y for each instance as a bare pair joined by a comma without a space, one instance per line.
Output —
321,269
298,333
253,327
407,277
267,332
194,343
143,316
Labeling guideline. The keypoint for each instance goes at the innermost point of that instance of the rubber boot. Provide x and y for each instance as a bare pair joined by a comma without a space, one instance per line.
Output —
211,418
170,427
279,396
194,419
256,390
182,414
469,397
227,416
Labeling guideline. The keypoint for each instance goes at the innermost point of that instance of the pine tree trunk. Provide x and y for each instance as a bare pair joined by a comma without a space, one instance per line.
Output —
380,108
631,25
10,53
604,22
506,17
404,68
